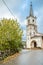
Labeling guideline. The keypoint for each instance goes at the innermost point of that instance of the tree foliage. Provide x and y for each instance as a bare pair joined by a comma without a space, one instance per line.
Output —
10,35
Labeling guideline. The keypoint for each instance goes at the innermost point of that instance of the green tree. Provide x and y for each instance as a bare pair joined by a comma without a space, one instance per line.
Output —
10,35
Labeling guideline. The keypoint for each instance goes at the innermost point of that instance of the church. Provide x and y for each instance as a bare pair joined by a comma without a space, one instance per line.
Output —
34,39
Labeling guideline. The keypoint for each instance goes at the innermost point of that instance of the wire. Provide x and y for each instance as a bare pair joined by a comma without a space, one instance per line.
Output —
8,8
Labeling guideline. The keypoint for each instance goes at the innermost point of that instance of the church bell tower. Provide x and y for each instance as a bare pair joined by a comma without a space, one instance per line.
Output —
31,27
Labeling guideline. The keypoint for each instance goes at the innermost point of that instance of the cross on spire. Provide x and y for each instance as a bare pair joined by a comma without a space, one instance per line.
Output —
31,10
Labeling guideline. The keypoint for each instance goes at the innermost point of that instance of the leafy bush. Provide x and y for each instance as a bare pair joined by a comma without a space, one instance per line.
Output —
10,35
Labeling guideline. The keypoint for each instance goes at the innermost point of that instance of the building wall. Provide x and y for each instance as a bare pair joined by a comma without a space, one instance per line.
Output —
38,41
42,43
31,31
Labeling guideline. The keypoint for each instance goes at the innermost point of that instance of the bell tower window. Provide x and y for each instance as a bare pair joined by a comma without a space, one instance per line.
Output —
33,20
30,33
28,21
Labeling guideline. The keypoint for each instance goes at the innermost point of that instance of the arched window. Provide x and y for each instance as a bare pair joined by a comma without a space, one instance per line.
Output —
34,33
30,33
33,20
28,21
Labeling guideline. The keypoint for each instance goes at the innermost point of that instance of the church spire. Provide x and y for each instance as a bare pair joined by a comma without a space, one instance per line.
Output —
31,10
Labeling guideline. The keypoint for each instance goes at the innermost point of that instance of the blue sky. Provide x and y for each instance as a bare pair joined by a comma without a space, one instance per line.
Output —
20,10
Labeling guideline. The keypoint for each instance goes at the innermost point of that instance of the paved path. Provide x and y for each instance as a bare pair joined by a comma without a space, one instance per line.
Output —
31,57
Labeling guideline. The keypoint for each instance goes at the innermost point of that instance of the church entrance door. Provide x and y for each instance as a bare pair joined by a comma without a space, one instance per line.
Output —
33,44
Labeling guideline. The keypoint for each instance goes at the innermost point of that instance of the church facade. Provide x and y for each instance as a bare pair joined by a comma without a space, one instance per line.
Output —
34,39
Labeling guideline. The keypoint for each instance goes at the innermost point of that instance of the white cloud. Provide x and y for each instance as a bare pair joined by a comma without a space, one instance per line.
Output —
23,23
24,32
39,15
24,6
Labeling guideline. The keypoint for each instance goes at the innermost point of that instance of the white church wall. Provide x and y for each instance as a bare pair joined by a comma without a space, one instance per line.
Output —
42,43
38,41
32,31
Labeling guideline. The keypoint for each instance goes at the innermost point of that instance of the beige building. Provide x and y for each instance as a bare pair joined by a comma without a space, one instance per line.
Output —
34,38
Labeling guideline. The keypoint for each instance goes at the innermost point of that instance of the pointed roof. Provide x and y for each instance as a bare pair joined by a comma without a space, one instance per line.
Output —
31,10
31,13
